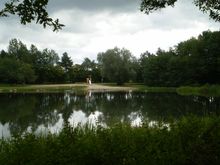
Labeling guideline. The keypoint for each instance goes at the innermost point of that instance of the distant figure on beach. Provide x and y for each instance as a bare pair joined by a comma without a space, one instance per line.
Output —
89,81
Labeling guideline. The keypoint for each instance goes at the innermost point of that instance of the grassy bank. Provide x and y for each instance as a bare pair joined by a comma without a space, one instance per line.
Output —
206,90
192,140
155,89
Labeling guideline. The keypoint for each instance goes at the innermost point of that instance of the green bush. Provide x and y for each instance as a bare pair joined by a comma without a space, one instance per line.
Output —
191,140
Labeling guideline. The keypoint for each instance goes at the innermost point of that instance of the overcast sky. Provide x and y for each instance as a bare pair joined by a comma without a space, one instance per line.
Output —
93,26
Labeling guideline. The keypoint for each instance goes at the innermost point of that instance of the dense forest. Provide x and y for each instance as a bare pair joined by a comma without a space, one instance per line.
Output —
192,62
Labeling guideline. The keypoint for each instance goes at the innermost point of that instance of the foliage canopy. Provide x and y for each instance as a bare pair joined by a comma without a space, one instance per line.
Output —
212,8
31,10
116,65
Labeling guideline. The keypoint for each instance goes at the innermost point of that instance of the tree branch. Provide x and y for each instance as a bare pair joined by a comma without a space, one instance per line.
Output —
29,11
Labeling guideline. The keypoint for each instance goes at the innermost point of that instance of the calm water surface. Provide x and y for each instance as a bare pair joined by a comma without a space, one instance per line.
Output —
43,112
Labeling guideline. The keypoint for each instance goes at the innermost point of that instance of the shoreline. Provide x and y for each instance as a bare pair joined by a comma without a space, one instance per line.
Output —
206,90
100,88
61,88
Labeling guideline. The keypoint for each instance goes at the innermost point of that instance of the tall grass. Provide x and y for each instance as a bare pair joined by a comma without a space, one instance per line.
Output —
191,140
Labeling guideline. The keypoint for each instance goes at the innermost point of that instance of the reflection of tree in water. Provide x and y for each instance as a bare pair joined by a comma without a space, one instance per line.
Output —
117,106
12,113
165,106
24,110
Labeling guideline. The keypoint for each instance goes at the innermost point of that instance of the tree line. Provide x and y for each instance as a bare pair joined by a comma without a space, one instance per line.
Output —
192,62
20,65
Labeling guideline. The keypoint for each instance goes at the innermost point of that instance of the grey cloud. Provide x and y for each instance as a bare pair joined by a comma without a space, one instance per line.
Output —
95,5
184,15
77,21
2,3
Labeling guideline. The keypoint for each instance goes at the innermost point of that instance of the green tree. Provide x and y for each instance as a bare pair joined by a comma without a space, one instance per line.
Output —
19,50
211,7
23,65
44,64
192,62
156,69
49,57
77,73
166,68
3,54
13,71
116,65
66,63
140,65
56,74
87,64
209,54
26,74
203,54
91,69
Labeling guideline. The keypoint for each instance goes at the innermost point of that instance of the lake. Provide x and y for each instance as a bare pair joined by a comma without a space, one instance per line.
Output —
42,112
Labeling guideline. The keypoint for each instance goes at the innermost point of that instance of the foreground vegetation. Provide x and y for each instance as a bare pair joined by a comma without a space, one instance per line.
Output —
191,140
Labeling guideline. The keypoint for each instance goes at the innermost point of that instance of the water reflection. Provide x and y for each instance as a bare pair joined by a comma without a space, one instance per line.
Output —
5,132
80,118
43,112
136,118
